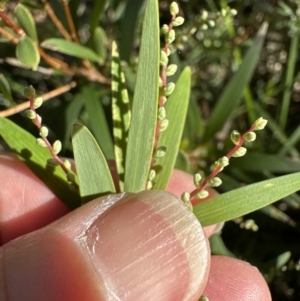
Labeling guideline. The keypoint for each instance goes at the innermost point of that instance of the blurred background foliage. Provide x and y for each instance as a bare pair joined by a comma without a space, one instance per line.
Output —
212,41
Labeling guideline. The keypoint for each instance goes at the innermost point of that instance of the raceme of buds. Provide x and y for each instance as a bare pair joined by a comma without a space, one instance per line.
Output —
240,152
235,137
251,136
174,9
260,124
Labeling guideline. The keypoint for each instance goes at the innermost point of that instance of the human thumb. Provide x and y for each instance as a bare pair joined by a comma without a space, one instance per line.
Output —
145,246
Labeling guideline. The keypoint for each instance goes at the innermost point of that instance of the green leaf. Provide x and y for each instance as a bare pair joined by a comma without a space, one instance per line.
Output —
144,110
120,112
97,12
71,115
176,108
5,89
71,48
92,170
244,200
277,214
99,42
97,120
128,27
27,52
26,21
233,91
254,162
35,157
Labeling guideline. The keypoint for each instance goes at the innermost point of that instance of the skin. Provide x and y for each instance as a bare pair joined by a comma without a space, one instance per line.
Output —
144,246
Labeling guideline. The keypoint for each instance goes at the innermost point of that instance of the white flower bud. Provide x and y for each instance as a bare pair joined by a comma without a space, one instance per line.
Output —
185,197
44,132
235,137
178,21
202,194
224,161
251,136
174,9
56,147
171,69
38,102
197,179
165,29
163,125
149,185
169,89
163,58
260,124
30,114
215,182
240,152
67,164
170,36
152,175
160,152
41,142
161,113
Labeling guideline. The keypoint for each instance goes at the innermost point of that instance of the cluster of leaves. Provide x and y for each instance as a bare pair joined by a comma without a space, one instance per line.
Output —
217,42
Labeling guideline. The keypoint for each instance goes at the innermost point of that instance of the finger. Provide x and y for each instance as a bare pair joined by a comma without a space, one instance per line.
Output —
181,181
26,204
145,246
235,280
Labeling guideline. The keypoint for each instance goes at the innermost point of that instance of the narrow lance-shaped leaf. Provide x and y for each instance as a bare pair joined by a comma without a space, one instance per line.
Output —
99,42
27,52
120,112
234,89
35,157
71,48
5,89
244,200
26,21
97,120
144,110
92,170
176,108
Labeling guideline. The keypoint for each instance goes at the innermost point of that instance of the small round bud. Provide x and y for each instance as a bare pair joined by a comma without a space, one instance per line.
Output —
160,152
251,136
178,21
223,12
165,29
224,161
240,152
260,124
38,102
56,147
163,125
235,137
202,194
163,58
171,69
204,15
174,9
152,175
197,179
204,26
185,197
41,142
70,177
149,185
203,298
67,164
211,23
44,132
161,113
30,114
52,162
169,89
214,182
233,12
170,36
29,91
